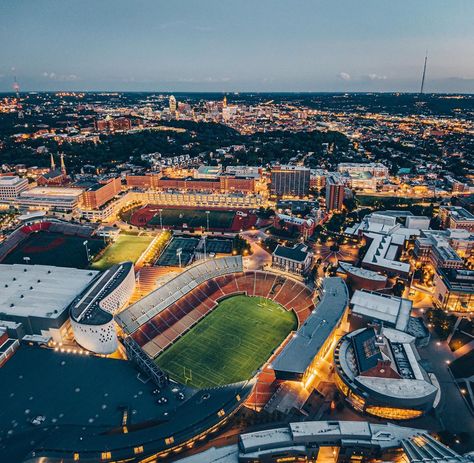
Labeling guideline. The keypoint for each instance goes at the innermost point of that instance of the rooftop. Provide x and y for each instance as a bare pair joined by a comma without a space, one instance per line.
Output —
10,180
362,272
86,308
298,253
300,351
40,290
84,408
390,309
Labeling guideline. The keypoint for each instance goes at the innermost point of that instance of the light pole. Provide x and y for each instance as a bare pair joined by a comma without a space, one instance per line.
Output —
207,217
178,253
26,259
87,250
161,218
205,253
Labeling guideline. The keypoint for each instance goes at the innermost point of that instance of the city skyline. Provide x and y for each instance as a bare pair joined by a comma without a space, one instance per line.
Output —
272,46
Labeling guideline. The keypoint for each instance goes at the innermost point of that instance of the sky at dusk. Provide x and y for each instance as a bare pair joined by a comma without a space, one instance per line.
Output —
237,45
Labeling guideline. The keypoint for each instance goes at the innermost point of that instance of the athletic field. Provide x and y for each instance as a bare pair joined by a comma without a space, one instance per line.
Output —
230,344
169,258
50,248
125,247
193,218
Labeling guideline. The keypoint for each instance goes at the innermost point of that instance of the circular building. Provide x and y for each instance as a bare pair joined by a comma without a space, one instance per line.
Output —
92,312
378,372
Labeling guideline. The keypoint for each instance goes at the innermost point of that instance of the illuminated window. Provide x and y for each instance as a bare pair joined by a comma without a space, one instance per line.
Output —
169,440
76,457
393,413
138,449
106,455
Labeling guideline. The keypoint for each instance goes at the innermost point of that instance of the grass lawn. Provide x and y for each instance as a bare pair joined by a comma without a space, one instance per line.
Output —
194,218
230,344
126,247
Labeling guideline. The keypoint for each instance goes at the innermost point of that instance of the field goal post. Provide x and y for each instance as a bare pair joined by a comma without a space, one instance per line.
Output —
188,376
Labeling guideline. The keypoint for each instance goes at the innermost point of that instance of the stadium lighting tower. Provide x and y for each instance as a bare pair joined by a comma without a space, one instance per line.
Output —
161,218
207,217
87,250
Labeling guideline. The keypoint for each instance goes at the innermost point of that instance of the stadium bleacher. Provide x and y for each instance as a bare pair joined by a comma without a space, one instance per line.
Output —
162,317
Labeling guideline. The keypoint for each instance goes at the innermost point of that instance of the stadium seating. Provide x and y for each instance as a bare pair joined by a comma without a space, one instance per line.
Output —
157,322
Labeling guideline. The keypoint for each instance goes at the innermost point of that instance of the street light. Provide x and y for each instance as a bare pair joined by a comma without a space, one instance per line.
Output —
87,250
161,218
179,251
207,216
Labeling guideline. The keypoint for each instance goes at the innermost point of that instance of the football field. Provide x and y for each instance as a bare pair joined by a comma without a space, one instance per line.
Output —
230,344
124,248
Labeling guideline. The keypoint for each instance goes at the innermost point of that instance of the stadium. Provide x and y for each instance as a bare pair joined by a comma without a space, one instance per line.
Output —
210,340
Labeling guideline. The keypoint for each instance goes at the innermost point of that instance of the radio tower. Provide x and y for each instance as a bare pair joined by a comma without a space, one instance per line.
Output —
16,88
424,74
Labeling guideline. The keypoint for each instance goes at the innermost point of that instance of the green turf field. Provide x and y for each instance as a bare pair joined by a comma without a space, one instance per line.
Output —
230,344
194,218
126,247
49,248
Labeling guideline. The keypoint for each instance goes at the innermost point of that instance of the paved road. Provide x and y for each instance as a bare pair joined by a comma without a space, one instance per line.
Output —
259,257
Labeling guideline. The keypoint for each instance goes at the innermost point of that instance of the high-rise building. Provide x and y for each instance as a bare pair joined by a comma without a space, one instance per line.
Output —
172,104
290,180
334,193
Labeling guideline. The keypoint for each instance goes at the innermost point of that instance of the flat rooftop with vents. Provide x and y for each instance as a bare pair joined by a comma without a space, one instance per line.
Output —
38,292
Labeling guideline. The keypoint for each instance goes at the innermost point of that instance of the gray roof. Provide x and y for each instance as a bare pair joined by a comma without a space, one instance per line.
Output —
86,308
296,253
298,354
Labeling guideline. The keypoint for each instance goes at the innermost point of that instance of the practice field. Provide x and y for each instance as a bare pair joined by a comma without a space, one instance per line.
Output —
193,218
49,248
124,248
219,246
169,258
230,344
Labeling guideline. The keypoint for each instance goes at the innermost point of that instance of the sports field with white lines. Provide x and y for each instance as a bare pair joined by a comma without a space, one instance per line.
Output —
230,344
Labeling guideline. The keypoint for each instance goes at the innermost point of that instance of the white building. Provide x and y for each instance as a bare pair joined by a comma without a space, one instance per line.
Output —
51,198
11,187
37,296
92,312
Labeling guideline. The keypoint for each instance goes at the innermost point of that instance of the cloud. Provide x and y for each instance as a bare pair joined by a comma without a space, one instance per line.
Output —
60,77
205,80
344,76
376,77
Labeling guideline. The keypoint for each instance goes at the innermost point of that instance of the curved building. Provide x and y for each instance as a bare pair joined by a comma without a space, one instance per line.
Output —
378,373
92,312
361,278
